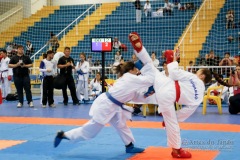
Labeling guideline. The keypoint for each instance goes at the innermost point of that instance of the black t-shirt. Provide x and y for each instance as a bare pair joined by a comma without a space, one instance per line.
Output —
64,60
213,61
19,71
137,5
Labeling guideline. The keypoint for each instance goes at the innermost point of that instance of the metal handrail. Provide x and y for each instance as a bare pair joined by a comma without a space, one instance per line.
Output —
9,15
190,25
74,21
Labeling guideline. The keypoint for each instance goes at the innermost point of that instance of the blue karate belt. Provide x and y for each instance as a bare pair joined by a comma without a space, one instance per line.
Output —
118,103
80,72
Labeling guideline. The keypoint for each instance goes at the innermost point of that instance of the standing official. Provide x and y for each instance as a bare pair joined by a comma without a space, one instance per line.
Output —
47,69
66,64
20,64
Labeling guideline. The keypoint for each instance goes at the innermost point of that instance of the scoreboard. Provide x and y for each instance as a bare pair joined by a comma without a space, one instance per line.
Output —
101,44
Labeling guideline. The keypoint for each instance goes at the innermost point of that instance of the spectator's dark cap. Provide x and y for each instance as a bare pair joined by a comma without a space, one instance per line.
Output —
3,50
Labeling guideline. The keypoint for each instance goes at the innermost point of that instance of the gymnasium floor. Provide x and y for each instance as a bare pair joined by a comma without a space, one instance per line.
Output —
28,133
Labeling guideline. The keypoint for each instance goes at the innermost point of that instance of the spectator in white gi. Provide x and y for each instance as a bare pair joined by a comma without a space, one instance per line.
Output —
82,69
116,44
29,48
6,74
95,86
147,9
168,7
55,59
155,61
117,58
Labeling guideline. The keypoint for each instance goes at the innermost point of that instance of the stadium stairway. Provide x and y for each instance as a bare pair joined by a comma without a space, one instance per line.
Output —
18,28
192,48
86,25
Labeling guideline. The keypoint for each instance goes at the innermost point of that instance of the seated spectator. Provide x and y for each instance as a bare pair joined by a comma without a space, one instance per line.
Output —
217,92
95,86
116,44
230,39
29,48
211,59
53,42
234,100
168,8
190,6
226,61
147,9
117,58
230,19
134,58
89,59
177,4
14,49
191,69
9,48
97,63
236,60
155,61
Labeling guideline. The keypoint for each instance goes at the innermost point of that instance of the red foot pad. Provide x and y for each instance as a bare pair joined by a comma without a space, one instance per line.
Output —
181,154
136,42
169,56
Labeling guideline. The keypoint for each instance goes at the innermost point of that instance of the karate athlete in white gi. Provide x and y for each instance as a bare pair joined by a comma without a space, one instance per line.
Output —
55,59
95,86
5,74
82,69
109,108
182,87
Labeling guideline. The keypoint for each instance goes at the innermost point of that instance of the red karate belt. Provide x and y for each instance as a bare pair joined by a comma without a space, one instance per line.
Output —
178,92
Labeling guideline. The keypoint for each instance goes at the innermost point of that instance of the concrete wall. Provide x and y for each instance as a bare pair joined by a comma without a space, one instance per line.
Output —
77,2
37,5
11,17
29,6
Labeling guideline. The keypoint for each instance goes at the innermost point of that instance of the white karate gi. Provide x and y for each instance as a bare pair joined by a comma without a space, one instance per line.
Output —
104,111
96,87
147,8
55,59
5,71
191,94
82,85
